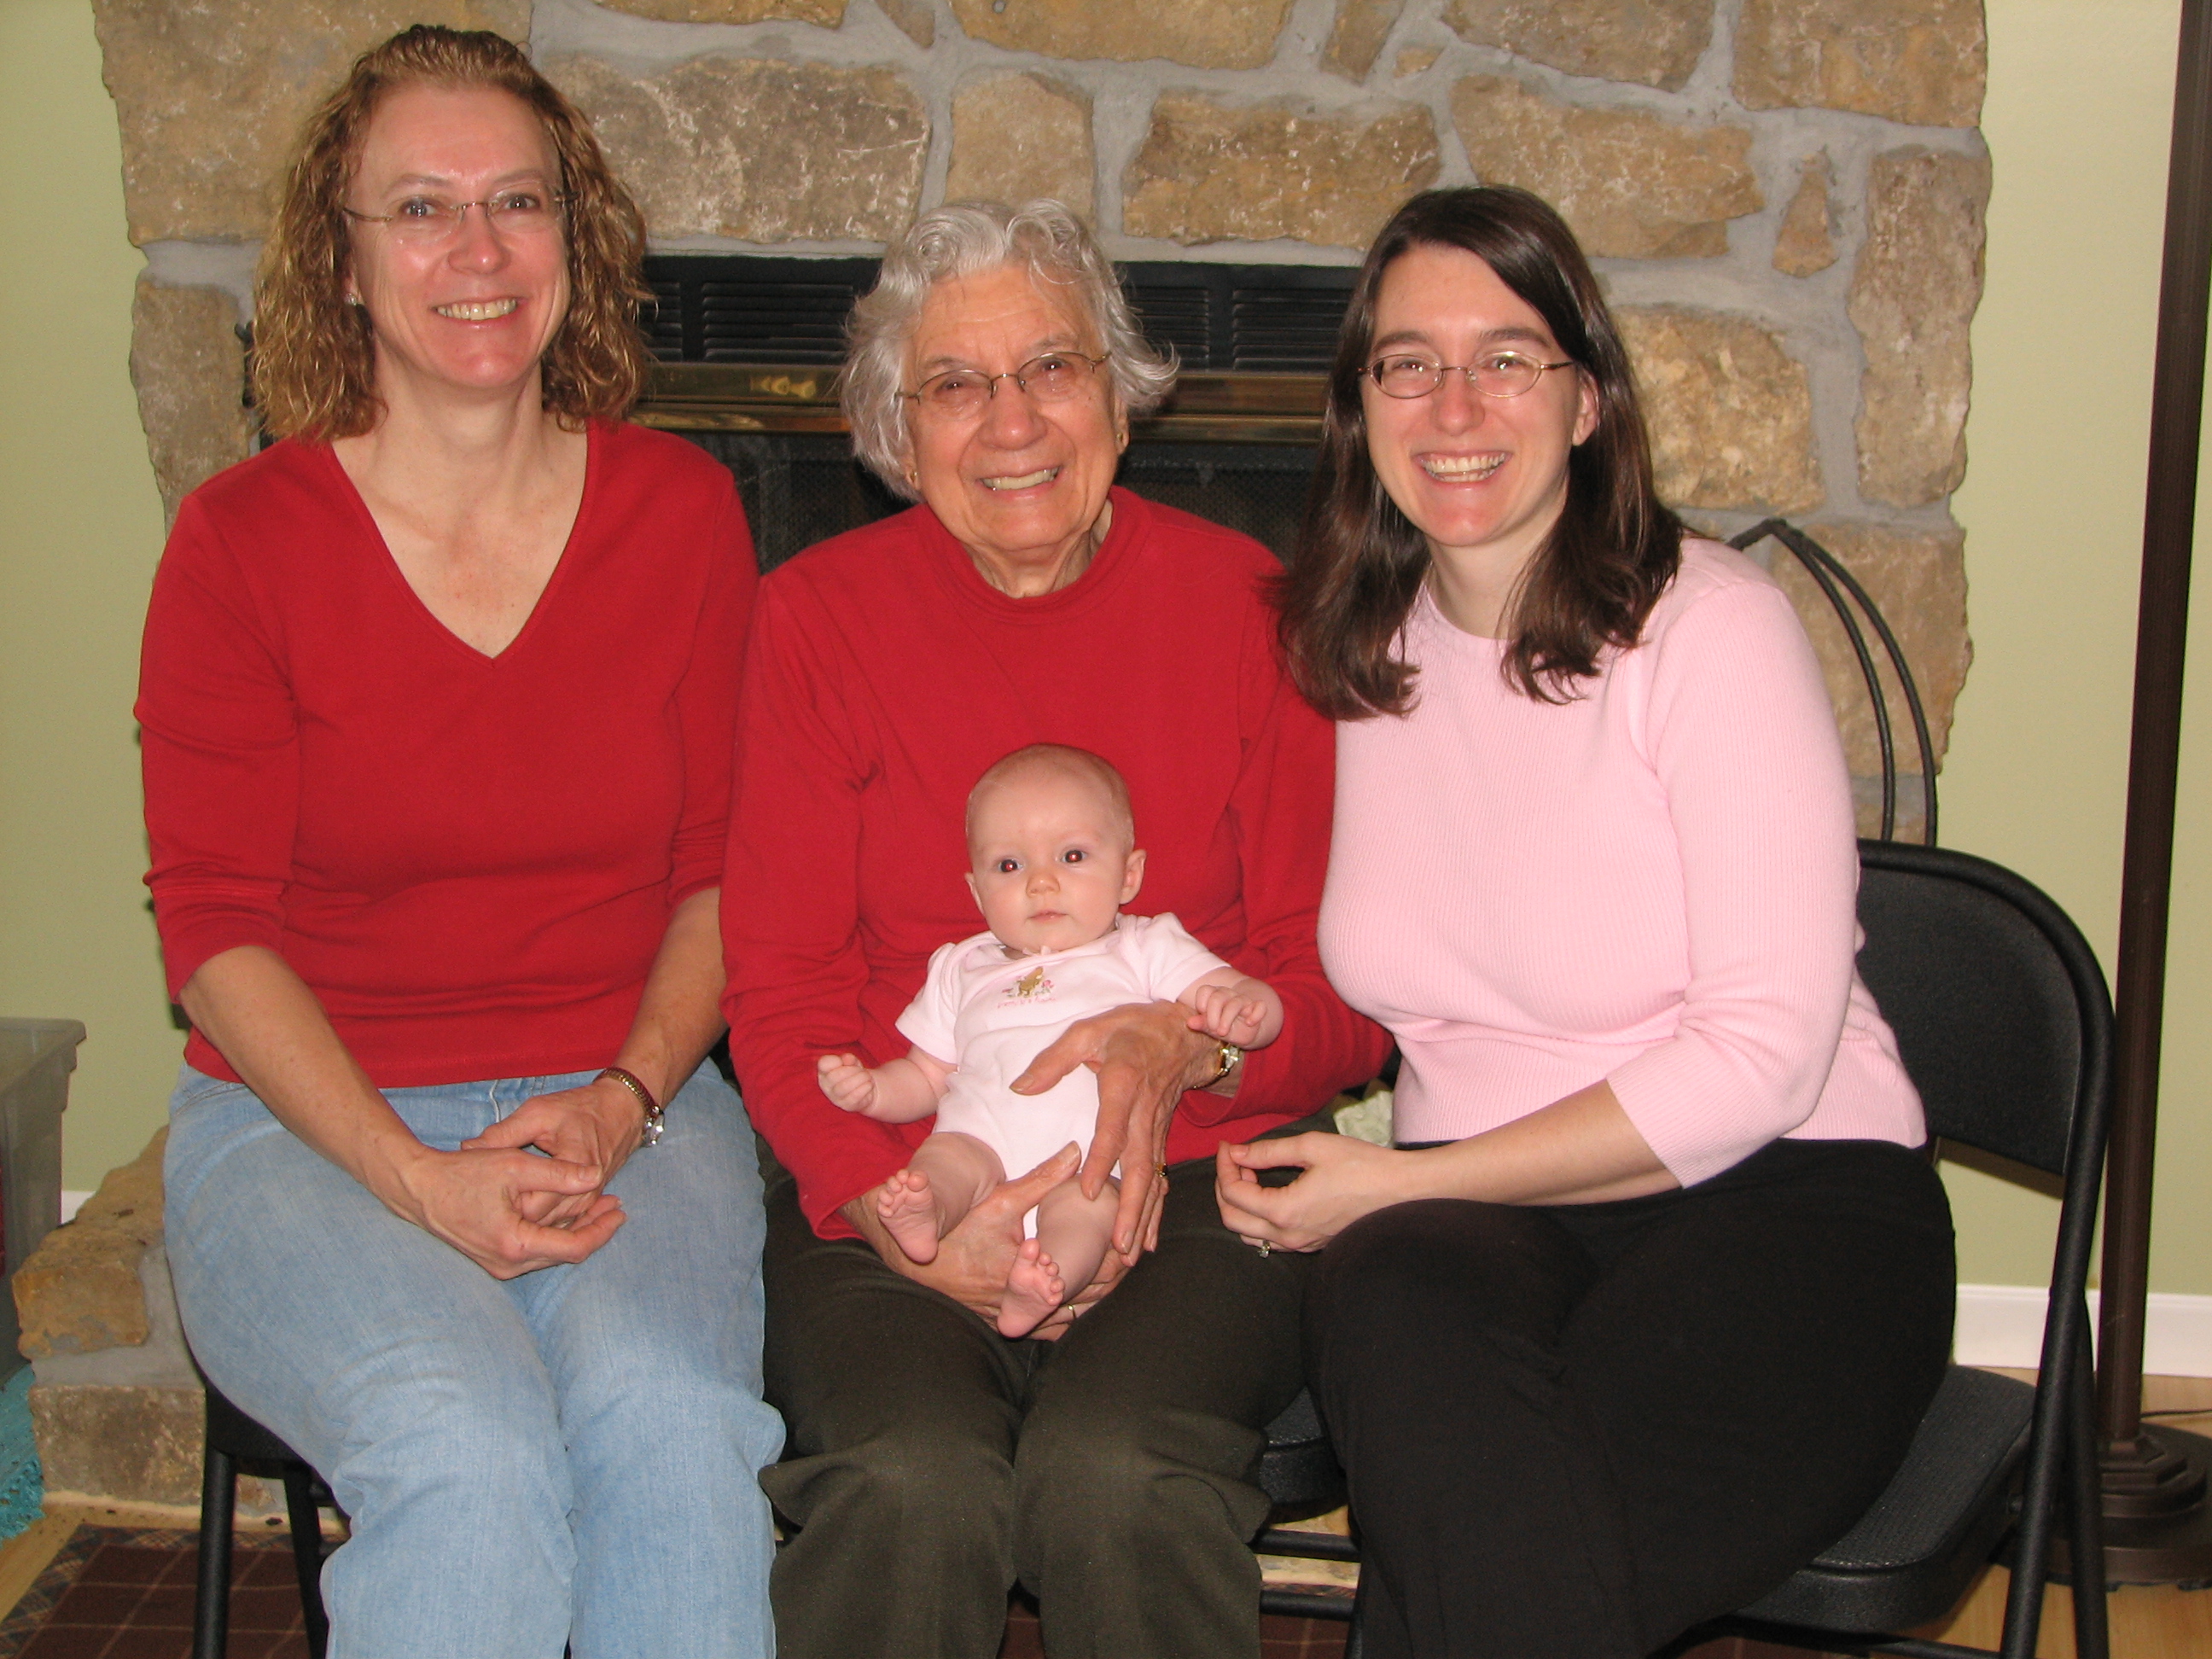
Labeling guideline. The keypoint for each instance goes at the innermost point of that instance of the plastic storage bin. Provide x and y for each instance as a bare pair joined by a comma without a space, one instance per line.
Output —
36,1059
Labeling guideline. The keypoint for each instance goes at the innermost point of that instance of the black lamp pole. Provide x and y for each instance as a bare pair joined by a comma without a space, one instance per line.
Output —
2158,1526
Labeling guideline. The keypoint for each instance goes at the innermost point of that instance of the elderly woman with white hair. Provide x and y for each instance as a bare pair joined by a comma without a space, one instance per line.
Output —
1107,1462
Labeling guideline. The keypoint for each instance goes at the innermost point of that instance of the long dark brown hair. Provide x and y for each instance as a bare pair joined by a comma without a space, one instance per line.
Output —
313,366
1360,562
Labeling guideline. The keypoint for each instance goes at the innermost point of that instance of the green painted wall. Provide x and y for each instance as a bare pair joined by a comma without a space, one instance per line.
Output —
2077,124
80,530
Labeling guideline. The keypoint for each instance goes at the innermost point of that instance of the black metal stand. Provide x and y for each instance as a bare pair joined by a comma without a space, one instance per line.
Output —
2157,1527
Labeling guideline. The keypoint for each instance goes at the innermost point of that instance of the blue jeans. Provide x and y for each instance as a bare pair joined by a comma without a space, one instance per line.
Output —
570,1456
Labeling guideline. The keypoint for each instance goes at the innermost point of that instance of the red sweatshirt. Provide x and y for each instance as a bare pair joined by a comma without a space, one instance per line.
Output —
884,674
470,859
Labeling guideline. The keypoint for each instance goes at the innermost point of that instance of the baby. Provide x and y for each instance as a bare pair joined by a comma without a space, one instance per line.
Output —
1052,858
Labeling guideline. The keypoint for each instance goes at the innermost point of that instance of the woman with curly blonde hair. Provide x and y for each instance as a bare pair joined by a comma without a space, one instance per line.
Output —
438,697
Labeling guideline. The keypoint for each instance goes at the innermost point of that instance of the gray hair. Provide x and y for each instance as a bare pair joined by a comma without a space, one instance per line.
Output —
964,238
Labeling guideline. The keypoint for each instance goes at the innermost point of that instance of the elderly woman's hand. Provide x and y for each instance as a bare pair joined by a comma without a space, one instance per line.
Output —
973,1259
1146,1055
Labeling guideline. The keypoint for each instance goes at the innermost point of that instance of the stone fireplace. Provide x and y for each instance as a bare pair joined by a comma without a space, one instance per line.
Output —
1784,197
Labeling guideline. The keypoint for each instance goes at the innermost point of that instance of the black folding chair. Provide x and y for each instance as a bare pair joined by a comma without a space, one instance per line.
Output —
2001,1013
235,1441
1300,1475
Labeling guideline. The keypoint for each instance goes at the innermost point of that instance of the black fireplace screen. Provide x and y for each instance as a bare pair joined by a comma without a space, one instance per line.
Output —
799,487
748,346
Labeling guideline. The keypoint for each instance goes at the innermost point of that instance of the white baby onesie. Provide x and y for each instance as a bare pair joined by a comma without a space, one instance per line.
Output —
987,1015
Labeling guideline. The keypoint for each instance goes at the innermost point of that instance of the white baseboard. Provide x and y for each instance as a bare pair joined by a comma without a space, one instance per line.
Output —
2002,1325
71,1200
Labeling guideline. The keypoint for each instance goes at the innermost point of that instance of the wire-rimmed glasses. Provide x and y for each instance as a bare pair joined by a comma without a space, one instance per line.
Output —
1495,375
1054,377
525,212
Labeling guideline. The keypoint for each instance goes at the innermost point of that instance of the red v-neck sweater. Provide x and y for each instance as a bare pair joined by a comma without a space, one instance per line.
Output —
884,674
470,859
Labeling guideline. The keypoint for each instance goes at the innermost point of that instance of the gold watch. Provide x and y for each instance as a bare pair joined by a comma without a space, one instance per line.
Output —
1227,1059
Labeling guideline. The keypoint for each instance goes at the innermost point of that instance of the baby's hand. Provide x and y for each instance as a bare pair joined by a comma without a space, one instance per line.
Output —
850,1085
1221,1012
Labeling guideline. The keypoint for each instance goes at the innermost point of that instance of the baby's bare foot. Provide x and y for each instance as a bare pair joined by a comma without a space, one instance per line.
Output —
1034,1289
908,1210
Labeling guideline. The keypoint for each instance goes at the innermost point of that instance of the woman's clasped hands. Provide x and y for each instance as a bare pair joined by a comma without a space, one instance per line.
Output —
510,1210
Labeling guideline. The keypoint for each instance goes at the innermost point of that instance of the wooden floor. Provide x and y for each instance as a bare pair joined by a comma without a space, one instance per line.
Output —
2148,1622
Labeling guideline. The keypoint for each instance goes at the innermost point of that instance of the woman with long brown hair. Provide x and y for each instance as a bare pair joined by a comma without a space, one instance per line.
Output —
439,695
1644,1307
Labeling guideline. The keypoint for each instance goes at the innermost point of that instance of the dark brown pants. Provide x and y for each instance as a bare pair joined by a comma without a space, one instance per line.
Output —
931,1462
1573,1433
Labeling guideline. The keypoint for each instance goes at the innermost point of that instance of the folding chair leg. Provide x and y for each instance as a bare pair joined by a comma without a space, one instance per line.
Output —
2085,1503
2046,1471
218,1511
307,1556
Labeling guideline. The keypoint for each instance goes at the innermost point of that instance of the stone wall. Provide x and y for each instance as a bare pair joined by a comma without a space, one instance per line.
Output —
115,1401
1783,197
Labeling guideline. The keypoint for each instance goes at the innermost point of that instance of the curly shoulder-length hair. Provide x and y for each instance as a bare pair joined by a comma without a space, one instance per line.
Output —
313,366
965,239
1360,562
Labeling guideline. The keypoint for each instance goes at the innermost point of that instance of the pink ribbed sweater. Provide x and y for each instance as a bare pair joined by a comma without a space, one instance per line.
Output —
1653,885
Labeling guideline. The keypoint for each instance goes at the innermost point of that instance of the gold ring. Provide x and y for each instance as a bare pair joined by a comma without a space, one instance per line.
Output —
1161,1171
1264,1247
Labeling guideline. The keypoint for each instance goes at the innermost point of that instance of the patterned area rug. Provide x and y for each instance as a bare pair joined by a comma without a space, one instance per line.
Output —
125,1593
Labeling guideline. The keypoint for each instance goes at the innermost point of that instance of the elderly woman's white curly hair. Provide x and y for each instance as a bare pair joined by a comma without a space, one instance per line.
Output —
963,238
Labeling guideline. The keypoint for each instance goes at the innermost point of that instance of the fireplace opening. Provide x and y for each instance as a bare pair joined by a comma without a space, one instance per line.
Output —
747,348
800,487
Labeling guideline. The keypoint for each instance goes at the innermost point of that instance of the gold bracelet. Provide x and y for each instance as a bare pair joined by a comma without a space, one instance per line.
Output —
654,1115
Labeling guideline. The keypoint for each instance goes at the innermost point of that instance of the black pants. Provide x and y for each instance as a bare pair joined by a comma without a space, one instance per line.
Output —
1578,1431
930,1461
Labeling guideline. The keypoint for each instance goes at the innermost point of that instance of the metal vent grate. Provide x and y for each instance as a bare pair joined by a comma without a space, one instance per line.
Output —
1182,318
662,320
1285,330
737,308
1267,319
752,309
